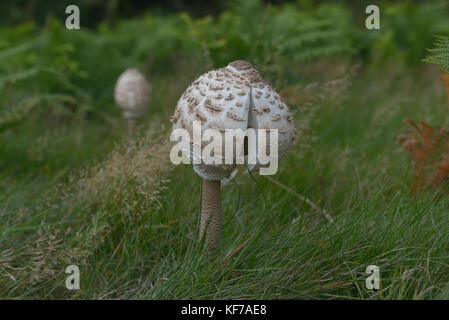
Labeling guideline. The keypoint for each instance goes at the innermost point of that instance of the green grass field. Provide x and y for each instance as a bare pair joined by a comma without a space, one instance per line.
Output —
71,194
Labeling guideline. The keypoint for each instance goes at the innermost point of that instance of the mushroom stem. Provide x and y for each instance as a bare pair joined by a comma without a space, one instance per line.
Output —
131,128
211,212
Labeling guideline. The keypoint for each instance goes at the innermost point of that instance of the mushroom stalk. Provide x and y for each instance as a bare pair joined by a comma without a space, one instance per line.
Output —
211,212
131,128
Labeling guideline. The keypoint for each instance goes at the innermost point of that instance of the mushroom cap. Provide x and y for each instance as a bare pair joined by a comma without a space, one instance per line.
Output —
132,93
233,97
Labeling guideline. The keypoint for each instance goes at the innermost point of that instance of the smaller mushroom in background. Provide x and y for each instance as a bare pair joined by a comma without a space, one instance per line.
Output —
132,94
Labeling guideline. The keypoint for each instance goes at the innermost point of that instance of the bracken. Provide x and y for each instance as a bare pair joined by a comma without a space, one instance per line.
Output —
429,149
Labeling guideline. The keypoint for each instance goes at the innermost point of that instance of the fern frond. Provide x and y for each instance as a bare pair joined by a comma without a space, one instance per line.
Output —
440,54
15,115
14,51
18,76
429,151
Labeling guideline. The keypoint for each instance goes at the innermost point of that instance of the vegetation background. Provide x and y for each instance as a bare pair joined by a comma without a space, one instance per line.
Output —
71,194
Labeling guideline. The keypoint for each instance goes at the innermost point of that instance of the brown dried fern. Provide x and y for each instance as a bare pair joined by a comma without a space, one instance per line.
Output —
429,149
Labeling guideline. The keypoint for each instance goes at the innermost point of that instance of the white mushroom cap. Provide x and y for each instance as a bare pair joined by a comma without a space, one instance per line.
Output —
132,93
233,97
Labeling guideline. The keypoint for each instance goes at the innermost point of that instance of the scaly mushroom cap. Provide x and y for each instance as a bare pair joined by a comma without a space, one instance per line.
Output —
132,93
233,97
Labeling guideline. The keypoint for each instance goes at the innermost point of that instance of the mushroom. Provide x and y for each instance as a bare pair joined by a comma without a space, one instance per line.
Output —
232,97
132,94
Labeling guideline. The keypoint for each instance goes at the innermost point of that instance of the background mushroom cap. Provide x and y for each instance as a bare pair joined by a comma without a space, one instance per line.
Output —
233,97
132,93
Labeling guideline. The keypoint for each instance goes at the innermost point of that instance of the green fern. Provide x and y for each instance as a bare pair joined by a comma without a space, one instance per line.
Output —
15,115
440,54
22,48
18,76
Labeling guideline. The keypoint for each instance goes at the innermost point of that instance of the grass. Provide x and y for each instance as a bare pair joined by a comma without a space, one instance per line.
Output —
70,194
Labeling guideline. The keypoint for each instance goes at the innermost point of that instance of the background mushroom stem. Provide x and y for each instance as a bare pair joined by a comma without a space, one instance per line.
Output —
131,128
211,212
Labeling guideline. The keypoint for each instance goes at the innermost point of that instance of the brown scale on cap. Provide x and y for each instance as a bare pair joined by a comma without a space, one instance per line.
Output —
200,116
192,103
211,107
212,87
257,111
230,97
252,73
241,65
235,117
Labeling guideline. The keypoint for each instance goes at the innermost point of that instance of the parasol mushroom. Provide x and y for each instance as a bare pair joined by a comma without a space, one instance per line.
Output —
232,97
132,94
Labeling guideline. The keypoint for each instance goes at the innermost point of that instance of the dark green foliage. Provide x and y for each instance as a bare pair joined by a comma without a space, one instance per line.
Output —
85,64
406,31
